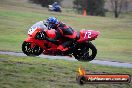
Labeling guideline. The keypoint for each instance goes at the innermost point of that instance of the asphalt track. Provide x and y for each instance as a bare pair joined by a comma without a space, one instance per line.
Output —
100,62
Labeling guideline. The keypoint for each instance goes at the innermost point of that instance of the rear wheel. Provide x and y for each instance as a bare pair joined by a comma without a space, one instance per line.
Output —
35,51
85,52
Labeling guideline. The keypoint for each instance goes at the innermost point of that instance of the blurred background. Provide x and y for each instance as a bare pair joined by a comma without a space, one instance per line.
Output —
92,7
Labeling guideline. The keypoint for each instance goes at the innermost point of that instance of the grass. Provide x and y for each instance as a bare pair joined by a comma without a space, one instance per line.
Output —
33,72
114,43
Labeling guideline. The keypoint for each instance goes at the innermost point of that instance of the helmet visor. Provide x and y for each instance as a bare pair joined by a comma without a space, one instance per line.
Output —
51,25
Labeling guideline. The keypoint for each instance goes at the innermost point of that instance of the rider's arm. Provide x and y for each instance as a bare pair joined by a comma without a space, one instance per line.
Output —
69,33
52,40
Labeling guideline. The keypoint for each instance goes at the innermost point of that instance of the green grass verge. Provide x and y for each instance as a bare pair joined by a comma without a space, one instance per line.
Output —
113,44
34,72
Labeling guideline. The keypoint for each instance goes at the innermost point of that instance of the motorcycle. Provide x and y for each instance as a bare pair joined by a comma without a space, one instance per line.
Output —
56,8
82,49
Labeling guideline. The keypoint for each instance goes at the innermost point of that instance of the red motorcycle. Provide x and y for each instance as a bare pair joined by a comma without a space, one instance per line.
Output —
82,49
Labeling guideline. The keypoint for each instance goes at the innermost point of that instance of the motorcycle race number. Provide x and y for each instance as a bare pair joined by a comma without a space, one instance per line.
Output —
31,30
87,35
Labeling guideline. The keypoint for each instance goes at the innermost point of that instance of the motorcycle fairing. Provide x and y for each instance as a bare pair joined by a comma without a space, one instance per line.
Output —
51,33
40,43
88,35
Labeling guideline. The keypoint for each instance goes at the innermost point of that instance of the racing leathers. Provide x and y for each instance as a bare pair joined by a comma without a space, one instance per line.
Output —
63,31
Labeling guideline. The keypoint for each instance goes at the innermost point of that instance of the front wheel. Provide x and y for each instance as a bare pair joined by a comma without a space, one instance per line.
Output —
35,51
85,52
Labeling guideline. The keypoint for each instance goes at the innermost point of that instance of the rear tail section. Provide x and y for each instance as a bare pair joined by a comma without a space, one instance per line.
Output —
88,35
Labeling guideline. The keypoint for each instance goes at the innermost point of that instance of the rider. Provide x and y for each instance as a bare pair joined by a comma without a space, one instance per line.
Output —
62,30
55,4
